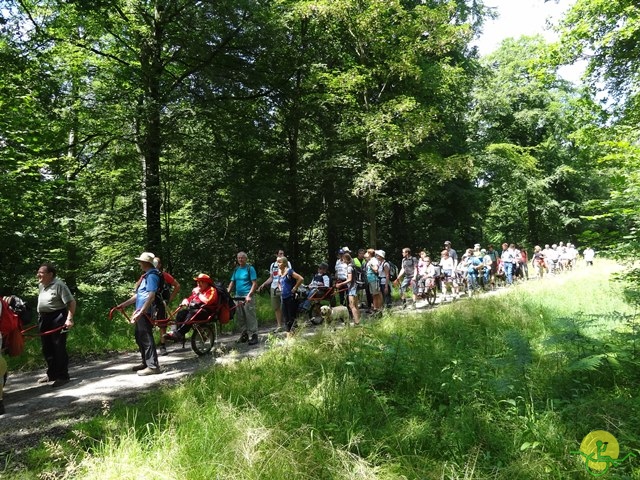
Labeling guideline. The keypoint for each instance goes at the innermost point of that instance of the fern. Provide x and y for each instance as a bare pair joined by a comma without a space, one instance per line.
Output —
592,362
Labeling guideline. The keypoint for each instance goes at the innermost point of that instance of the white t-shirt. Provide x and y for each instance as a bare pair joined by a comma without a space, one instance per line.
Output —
447,264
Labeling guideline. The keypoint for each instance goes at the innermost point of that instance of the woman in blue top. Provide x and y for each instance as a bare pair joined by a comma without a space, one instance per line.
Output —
289,283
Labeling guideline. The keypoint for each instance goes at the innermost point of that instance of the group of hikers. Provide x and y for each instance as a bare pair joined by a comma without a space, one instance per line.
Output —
367,278
153,291
156,288
361,280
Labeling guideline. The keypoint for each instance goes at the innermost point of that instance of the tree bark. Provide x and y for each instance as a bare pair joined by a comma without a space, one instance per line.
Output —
150,134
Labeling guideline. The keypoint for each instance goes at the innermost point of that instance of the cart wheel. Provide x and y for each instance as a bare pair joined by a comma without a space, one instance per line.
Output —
203,338
431,295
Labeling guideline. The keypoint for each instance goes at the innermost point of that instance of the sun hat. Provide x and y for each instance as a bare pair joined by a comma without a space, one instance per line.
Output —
203,277
346,250
447,242
380,253
146,257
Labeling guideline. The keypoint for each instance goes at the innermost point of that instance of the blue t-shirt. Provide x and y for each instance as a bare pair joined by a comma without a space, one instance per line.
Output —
287,283
149,283
472,263
243,278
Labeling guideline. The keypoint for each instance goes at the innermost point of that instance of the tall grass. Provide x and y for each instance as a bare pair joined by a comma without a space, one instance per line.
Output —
501,386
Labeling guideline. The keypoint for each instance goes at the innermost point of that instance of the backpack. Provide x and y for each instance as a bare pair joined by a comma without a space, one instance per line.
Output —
226,305
359,276
393,271
21,308
11,330
164,288
158,301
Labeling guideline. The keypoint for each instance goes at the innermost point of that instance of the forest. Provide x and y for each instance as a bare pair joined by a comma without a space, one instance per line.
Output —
194,129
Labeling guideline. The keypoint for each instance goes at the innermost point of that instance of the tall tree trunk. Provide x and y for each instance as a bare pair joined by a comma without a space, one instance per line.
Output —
373,224
532,223
294,203
293,137
73,262
150,135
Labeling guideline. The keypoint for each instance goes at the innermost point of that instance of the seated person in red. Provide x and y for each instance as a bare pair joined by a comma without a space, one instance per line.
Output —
200,305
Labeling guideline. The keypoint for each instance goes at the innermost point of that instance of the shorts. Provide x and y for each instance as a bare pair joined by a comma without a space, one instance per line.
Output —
353,290
449,277
276,301
374,287
406,282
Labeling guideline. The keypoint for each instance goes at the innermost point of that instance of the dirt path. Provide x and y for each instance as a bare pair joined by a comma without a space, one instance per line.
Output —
36,410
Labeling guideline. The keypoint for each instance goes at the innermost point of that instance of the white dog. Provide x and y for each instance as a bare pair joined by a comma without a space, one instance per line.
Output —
336,313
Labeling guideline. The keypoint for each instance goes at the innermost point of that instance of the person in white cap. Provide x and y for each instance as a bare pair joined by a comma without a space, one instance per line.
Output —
144,299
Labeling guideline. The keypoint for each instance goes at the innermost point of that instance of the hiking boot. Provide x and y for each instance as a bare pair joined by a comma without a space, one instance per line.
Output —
244,338
162,350
44,379
60,382
149,371
254,339
137,368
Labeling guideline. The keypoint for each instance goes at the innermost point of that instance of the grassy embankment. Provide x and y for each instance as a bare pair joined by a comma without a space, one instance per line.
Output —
499,387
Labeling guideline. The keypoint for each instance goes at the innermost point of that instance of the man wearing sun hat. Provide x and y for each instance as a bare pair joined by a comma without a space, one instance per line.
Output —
144,301
202,297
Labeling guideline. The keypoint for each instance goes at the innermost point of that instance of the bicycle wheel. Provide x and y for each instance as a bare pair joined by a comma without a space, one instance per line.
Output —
203,338
431,295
